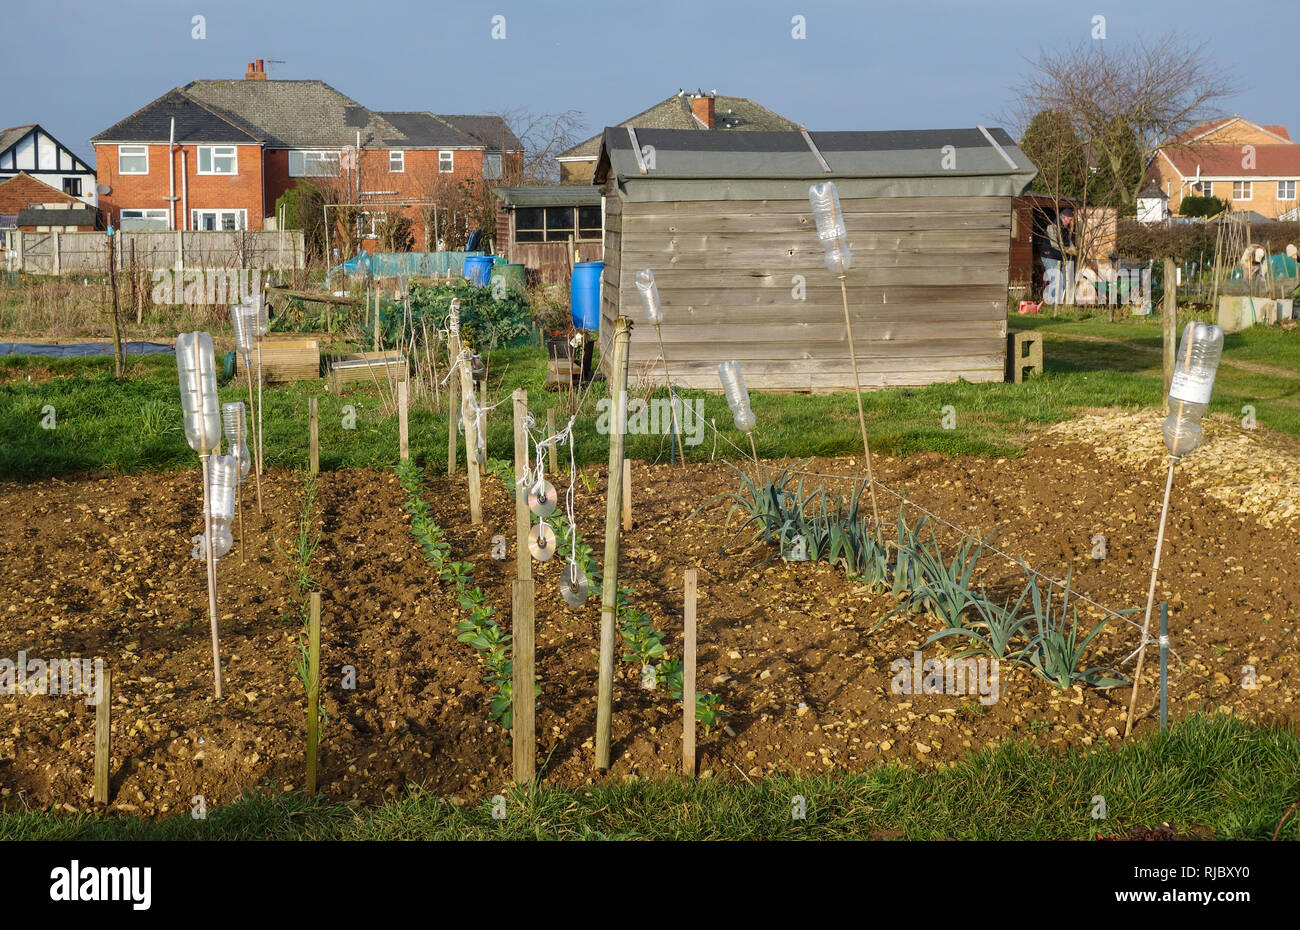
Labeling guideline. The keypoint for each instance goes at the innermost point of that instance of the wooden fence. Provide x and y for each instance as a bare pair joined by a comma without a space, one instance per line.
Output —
59,253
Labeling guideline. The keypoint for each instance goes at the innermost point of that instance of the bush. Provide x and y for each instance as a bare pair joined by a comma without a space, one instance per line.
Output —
485,321
1201,206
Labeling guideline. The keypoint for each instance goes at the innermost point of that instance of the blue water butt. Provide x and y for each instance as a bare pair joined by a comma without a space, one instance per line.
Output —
584,295
478,268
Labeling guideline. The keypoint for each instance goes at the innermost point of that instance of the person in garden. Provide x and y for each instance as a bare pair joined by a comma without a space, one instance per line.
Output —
1059,254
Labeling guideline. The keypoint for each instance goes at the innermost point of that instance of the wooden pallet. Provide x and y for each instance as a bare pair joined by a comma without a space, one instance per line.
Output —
368,367
290,359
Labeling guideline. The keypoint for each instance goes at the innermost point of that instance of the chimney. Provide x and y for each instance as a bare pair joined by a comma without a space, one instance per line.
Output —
702,107
255,72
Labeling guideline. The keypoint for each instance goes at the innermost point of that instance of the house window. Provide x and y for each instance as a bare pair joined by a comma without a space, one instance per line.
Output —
1286,190
1207,188
1240,190
313,164
133,159
72,187
546,224
143,220
589,225
371,223
218,220
491,166
445,162
218,159
397,162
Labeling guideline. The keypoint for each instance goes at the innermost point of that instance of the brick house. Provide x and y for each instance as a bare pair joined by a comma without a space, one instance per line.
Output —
1249,165
32,151
23,197
217,154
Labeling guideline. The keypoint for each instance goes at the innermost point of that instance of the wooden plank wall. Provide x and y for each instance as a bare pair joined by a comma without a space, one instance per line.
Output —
927,290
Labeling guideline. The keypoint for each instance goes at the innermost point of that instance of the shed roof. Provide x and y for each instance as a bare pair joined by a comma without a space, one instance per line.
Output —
83,216
748,165
22,190
562,195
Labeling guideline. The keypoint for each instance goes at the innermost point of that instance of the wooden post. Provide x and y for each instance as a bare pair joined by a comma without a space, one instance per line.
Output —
103,735
688,679
313,691
314,430
609,588
403,433
550,431
471,448
627,494
523,736
452,414
1170,321
523,518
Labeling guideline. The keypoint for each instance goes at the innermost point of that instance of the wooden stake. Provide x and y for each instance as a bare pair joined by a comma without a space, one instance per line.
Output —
252,412
1151,599
1170,321
313,691
523,517
627,494
209,547
688,679
550,431
862,420
672,399
314,432
471,449
403,433
523,736
609,588
103,735
452,414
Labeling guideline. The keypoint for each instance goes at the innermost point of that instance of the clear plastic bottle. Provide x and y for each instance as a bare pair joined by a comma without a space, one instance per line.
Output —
243,338
258,315
649,293
224,487
825,201
733,386
1191,385
198,378
235,425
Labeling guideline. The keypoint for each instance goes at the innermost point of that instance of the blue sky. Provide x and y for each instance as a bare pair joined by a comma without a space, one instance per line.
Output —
903,64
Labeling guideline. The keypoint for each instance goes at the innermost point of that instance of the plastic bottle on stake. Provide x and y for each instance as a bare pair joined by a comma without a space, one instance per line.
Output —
225,483
199,404
649,294
243,337
1190,387
733,386
825,201
236,429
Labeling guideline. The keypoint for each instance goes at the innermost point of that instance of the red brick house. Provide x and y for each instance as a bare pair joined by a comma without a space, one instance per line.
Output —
22,195
216,154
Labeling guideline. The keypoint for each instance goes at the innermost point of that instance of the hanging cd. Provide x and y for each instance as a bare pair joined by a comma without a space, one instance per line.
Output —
541,542
573,585
542,498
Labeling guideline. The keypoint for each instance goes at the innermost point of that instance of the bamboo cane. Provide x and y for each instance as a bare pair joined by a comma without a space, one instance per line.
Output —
209,545
677,427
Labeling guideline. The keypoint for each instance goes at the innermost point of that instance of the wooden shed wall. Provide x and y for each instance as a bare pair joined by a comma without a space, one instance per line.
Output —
927,291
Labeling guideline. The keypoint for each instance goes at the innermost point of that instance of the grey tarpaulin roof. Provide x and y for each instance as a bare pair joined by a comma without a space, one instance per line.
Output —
780,165
562,195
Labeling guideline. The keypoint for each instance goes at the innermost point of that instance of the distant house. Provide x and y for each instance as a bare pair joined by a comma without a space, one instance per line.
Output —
22,195
1248,165
32,151
683,110
217,154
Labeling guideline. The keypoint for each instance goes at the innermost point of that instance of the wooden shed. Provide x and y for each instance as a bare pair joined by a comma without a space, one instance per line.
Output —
724,222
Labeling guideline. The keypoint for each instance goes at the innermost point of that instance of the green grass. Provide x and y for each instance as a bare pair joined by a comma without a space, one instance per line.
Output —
1211,774
103,426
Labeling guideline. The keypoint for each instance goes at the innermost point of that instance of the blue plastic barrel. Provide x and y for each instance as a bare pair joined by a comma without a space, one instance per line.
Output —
478,268
584,295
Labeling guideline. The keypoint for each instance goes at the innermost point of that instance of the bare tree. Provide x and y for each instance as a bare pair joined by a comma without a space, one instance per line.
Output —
1125,102
544,136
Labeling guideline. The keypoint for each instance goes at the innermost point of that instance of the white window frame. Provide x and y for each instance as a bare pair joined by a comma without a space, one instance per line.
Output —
211,152
145,213
143,150
318,157
1205,187
196,214
1246,186
451,161
1286,189
370,220
400,161
500,163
